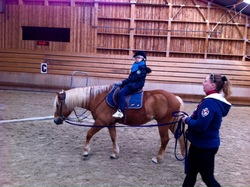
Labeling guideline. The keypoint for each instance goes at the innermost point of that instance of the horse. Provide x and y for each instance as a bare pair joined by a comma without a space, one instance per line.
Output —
157,104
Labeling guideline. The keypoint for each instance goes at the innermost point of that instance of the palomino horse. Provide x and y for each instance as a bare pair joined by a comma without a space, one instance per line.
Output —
157,104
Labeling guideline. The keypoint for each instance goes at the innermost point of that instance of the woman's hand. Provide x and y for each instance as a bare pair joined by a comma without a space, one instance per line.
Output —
184,118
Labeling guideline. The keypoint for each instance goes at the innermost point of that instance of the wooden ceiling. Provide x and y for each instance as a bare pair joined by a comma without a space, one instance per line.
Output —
235,5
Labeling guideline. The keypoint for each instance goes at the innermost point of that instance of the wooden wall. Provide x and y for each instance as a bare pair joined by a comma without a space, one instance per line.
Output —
182,76
174,28
184,40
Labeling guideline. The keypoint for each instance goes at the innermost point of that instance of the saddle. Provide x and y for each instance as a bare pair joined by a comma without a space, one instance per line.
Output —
133,101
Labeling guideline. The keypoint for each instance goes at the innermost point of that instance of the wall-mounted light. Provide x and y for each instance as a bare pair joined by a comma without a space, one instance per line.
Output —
246,1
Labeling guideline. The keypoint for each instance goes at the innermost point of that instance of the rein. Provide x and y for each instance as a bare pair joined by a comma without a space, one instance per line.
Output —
78,116
180,130
112,126
63,94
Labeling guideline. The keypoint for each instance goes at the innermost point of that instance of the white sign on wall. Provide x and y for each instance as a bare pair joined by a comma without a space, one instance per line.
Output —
44,67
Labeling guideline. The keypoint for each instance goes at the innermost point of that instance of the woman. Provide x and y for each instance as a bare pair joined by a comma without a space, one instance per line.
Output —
134,82
203,130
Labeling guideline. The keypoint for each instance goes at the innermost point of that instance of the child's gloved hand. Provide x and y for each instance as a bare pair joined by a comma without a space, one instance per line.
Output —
118,83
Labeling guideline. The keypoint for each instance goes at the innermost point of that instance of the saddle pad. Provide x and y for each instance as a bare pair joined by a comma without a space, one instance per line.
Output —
110,99
133,101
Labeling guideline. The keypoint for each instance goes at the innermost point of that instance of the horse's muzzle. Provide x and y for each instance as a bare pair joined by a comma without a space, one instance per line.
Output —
58,121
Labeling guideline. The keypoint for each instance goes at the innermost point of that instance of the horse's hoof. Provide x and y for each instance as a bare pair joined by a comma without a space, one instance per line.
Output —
154,160
113,156
85,155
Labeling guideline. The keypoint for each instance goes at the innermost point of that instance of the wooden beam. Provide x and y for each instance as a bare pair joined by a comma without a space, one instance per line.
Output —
94,23
207,28
170,10
132,27
172,18
198,8
244,50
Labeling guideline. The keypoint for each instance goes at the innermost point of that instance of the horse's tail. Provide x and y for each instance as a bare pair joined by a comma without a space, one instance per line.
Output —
181,138
178,117
181,102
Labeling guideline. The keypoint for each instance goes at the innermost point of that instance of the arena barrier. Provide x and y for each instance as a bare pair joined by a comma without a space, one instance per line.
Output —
26,119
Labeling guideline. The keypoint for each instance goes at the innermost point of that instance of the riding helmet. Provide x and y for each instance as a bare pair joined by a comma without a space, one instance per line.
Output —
140,53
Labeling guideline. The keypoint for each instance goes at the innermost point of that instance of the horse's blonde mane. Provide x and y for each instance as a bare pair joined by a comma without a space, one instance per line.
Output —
81,96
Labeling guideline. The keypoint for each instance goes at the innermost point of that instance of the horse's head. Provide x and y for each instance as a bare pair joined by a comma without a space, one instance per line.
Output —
65,102
61,109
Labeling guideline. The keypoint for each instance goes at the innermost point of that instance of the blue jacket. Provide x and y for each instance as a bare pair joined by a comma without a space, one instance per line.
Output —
136,78
205,122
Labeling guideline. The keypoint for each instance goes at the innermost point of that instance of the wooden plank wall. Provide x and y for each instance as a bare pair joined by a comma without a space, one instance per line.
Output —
184,40
174,28
165,70
176,71
51,16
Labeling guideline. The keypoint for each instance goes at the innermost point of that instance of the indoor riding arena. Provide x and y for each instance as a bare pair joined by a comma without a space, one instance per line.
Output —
51,46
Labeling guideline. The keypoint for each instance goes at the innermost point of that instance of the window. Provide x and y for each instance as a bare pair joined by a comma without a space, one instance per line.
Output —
2,6
46,34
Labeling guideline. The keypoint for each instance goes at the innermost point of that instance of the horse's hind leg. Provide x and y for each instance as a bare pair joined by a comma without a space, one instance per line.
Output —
163,131
112,132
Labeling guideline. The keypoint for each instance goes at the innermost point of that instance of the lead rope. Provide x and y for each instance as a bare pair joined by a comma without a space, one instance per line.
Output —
180,130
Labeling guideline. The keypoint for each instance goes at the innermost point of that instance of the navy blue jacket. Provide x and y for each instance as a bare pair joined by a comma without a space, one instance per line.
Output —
205,122
136,79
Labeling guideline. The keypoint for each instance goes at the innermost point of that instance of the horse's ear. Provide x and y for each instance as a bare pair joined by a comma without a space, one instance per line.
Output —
57,93
61,95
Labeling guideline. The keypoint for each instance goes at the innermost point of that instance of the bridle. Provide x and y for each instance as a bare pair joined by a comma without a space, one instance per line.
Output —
62,100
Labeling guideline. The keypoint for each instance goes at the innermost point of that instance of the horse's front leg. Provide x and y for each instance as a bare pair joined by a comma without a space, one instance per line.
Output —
91,132
163,131
116,150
